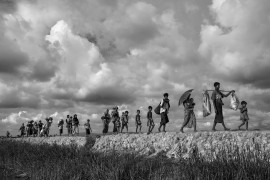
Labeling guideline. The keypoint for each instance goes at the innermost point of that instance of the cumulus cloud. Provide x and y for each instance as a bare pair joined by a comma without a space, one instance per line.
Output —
68,57
237,44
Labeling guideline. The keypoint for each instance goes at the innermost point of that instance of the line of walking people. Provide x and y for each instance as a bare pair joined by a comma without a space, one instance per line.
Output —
121,123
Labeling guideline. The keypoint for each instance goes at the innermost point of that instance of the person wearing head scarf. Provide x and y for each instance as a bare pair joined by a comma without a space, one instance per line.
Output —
40,125
75,124
106,118
60,126
164,111
115,119
22,129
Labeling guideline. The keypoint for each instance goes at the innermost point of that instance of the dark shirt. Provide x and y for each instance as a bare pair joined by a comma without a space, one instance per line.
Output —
149,115
138,119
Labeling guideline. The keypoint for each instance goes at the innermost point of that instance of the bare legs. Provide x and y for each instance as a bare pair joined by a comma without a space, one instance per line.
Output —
224,126
244,122
138,126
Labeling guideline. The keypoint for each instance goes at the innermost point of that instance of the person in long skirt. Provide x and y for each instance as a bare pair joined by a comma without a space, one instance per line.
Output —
106,118
164,111
217,96
115,118
189,116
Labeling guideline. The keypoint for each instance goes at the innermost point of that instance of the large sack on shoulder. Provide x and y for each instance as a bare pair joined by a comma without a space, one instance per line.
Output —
234,102
157,109
206,104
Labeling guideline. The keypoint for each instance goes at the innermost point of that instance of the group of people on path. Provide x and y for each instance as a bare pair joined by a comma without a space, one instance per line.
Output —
217,96
39,129
121,123
36,128
163,110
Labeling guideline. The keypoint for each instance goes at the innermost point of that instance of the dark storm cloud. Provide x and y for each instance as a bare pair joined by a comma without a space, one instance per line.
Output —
11,61
7,6
14,99
43,70
110,96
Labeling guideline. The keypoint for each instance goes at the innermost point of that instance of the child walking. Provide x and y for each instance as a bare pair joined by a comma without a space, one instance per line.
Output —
124,119
87,127
243,114
138,121
150,122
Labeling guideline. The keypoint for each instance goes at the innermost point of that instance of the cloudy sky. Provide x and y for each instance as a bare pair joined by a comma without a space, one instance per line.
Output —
60,57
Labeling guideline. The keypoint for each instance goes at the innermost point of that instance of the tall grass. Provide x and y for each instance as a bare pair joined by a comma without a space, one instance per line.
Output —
70,162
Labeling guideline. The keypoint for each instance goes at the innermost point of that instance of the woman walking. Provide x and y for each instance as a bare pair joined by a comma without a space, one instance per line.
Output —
164,110
106,118
189,118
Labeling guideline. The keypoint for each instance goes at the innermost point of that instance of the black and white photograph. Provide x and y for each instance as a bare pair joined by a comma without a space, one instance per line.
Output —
134,89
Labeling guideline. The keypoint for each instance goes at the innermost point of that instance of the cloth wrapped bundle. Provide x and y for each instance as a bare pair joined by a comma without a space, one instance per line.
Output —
234,102
206,104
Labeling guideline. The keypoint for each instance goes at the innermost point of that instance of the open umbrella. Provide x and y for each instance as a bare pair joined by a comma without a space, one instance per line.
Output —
184,96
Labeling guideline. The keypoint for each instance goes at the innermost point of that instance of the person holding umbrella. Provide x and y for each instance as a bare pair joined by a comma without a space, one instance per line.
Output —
188,103
217,96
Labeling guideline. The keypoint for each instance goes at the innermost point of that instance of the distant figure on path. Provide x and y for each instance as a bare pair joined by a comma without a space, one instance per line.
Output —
87,127
189,118
106,118
8,134
217,102
243,114
150,121
40,125
69,125
61,126
75,124
124,119
35,129
29,128
115,119
138,122
22,129
164,110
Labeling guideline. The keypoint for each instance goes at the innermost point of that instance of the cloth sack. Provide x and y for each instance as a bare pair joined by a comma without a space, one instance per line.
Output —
234,102
206,104
157,109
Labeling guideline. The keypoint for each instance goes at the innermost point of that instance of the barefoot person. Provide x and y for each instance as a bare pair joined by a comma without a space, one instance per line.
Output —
87,127
76,124
189,118
106,118
124,119
60,126
217,102
164,110
150,121
243,115
138,122
115,120
22,129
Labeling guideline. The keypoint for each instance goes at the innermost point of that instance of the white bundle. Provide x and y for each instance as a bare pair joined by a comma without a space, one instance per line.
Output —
234,102
206,104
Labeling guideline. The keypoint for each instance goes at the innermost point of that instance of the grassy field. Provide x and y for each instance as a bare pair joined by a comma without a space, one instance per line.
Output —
70,162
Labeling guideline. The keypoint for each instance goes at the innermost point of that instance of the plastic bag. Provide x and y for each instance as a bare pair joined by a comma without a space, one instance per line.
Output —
234,102
206,104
